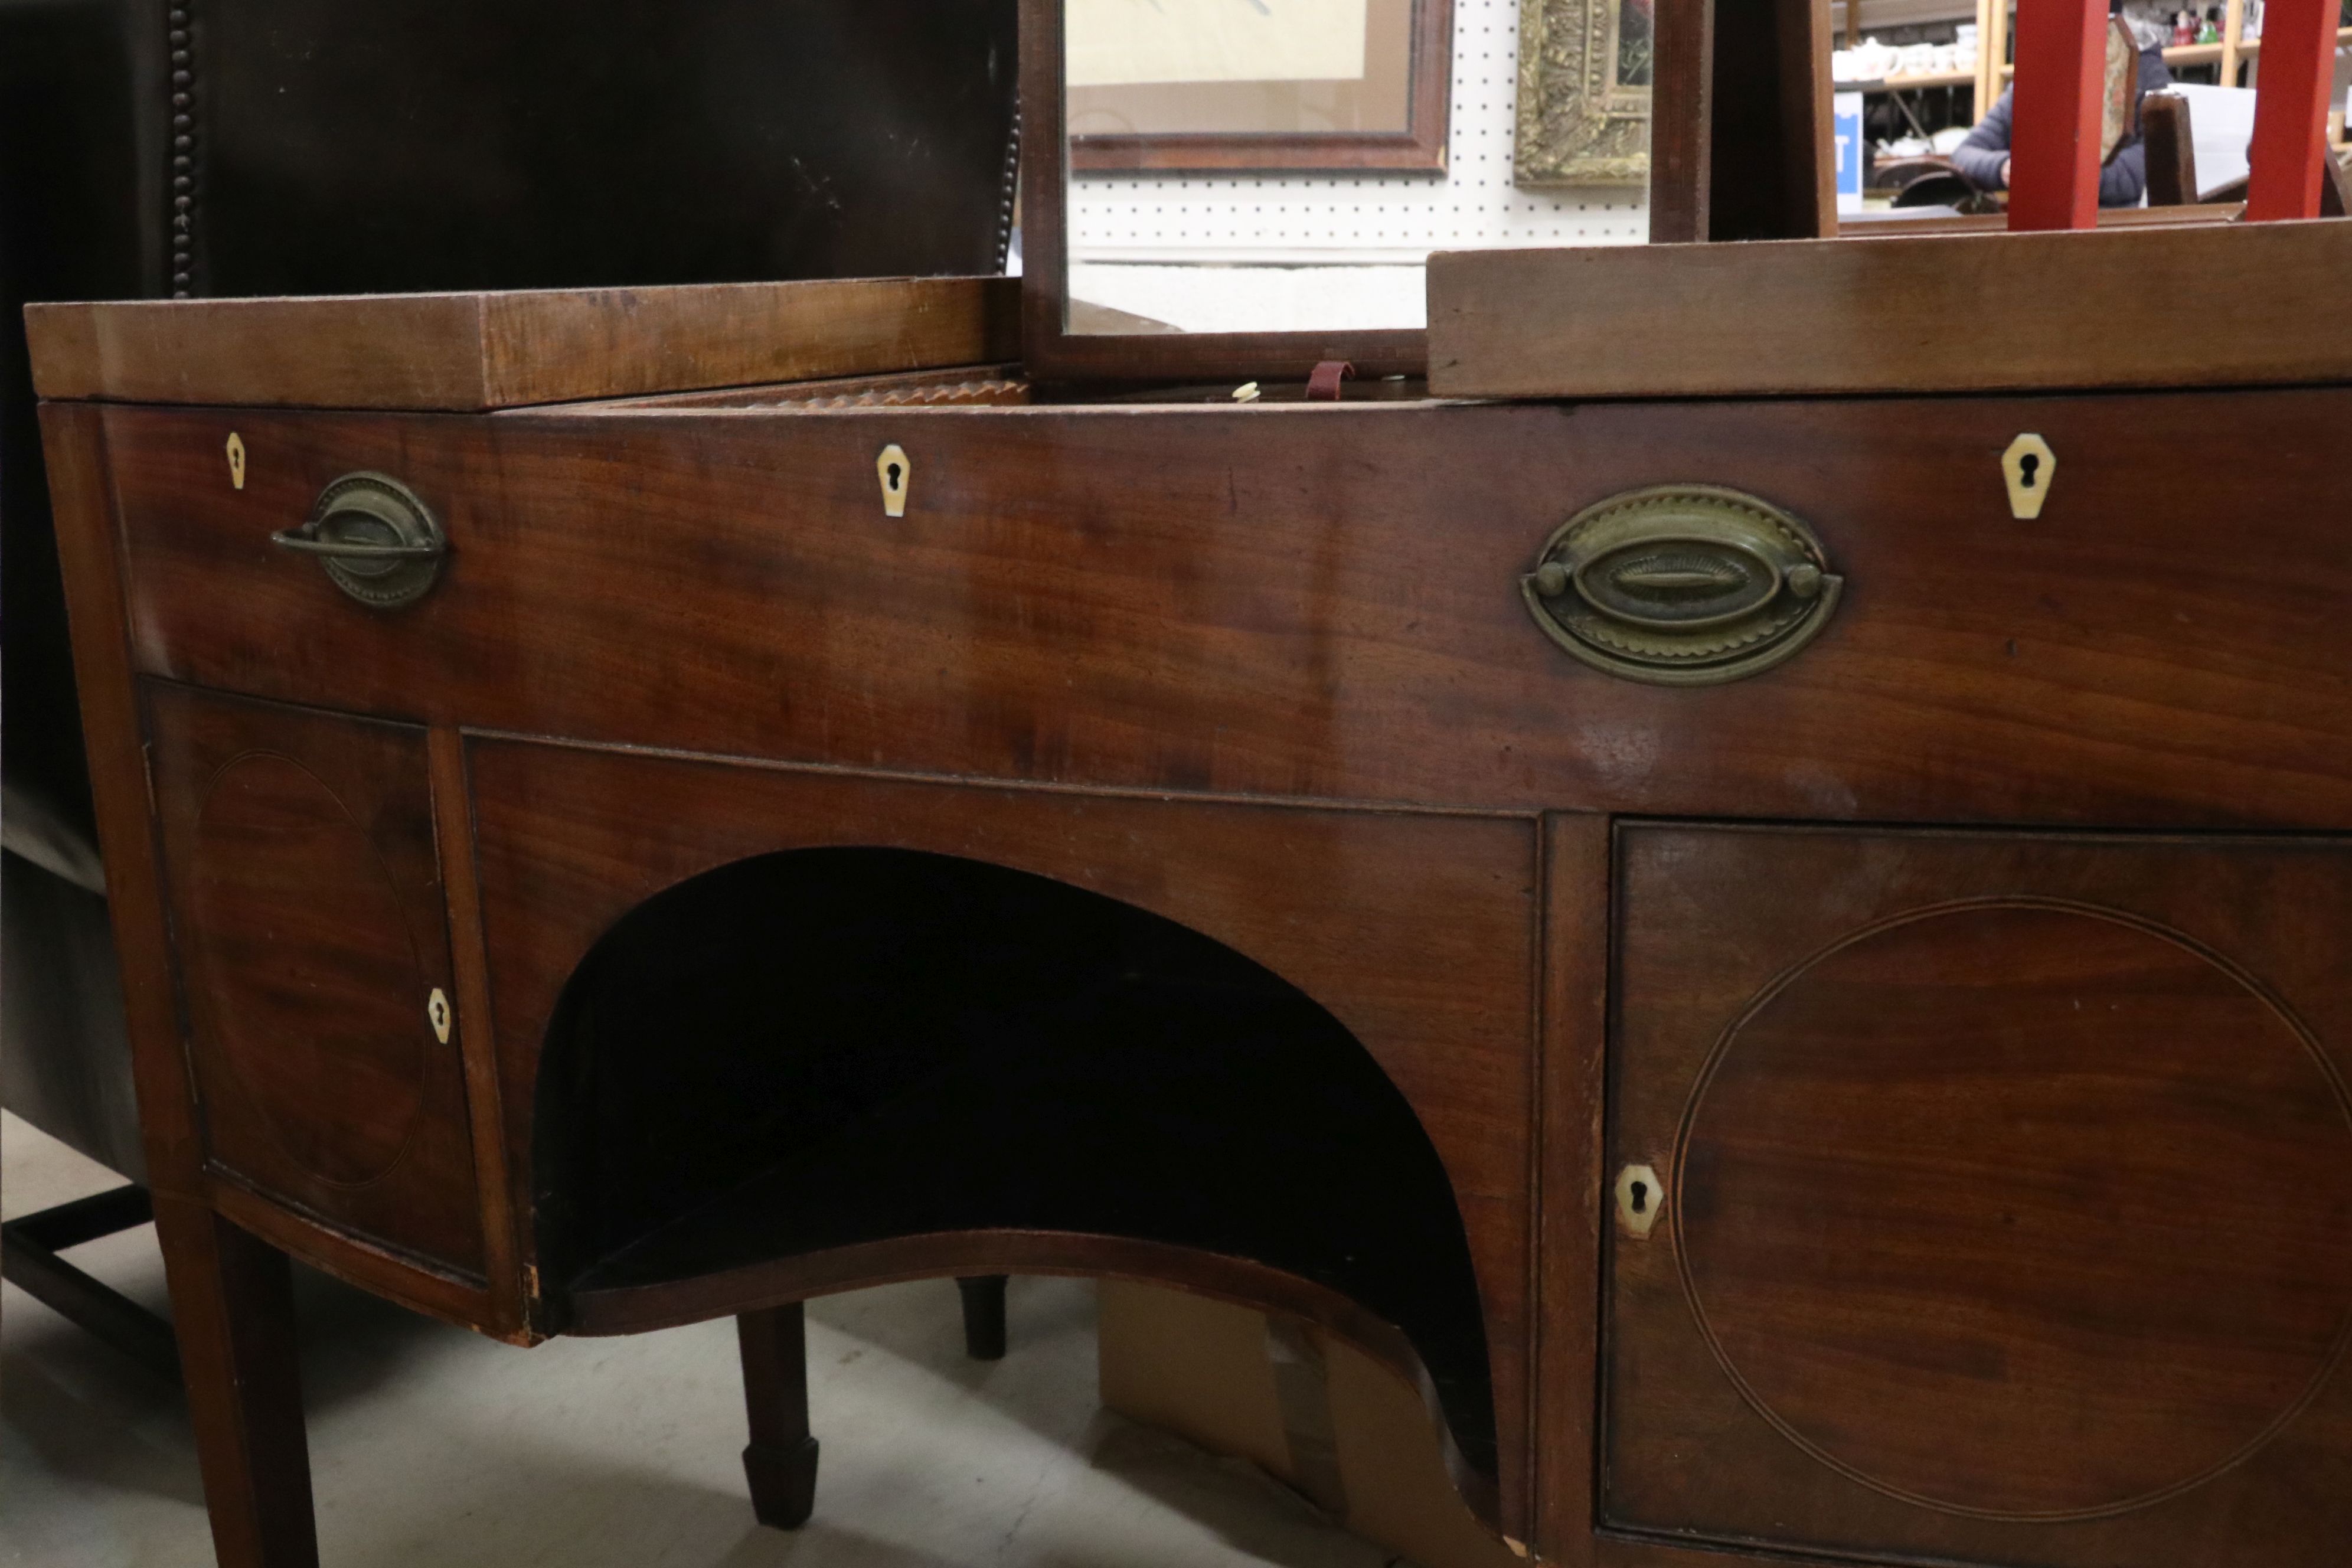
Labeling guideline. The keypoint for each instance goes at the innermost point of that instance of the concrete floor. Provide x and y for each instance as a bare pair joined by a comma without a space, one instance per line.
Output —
431,1447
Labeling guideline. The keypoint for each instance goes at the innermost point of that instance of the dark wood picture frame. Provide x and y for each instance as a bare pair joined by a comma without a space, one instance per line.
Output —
1419,147
1736,152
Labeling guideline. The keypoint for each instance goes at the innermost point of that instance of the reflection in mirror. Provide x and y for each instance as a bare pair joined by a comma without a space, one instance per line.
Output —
1287,165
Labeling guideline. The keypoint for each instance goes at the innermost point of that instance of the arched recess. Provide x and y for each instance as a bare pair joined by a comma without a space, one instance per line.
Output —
828,1049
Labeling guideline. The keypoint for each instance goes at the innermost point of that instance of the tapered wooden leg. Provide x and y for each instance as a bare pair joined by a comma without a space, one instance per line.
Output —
984,1316
233,1309
781,1461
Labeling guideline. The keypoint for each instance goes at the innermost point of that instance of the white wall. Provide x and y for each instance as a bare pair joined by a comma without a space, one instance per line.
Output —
1199,251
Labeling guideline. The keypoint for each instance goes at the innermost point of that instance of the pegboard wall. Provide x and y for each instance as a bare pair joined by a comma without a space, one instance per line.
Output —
1398,218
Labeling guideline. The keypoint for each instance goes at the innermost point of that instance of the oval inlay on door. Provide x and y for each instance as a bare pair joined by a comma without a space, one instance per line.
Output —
2019,1209
312,985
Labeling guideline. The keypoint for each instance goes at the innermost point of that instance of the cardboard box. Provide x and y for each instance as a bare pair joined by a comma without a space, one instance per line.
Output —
1308,1407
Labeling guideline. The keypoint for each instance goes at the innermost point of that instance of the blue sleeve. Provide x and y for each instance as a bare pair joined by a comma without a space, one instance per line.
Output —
1979,157
2125,177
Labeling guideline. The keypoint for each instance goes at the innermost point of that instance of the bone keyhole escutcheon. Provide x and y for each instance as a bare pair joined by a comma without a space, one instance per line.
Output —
1639,1198
894,470
2029,466
236,448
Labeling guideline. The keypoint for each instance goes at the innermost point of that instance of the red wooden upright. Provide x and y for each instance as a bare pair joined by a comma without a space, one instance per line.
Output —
2054,135
2291,109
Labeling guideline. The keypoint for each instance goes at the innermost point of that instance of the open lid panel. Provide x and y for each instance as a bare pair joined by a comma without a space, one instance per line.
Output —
1763,66
477,352
1955,312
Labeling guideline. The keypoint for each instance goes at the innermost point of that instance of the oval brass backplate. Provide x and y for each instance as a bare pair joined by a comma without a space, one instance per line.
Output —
1681,585
376,539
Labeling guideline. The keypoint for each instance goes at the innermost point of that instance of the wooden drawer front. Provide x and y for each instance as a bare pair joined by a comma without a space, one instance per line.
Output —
2007,1197
1314,601
312,937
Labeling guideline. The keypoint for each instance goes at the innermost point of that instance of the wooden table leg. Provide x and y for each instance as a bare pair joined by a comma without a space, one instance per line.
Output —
984,1316
233,1307
781,1460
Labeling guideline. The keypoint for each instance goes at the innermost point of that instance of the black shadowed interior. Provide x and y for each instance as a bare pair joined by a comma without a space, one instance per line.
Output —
829,1047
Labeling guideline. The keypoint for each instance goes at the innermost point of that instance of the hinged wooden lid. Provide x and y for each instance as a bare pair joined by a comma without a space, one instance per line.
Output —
481,351
2142,306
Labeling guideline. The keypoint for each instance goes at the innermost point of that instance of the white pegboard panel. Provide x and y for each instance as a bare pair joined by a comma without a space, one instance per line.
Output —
1298,219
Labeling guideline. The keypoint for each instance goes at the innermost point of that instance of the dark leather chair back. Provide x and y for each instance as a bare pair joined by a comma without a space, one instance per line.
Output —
78,198
421,145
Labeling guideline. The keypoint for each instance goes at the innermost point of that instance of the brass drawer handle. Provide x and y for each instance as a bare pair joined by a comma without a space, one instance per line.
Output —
1681,585
310,543
378,542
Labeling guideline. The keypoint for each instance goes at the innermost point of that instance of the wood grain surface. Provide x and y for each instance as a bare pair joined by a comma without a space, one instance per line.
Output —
113,732
2044,1050
1311,601
233,1310
2008,1183
1681,120
1952,312
1571,1186
1769,170
1417,932
396,1273
477,1039
2007,1171
305,887
477,350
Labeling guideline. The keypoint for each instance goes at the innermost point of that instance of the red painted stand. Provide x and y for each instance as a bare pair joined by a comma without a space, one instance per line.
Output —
2291,109
2053,160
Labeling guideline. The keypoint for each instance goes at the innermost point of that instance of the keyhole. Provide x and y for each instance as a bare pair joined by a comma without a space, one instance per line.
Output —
895,471
1637,1187
894,468
2026,463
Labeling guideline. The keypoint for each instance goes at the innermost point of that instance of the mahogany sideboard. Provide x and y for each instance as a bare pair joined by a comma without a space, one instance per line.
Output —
1805,1006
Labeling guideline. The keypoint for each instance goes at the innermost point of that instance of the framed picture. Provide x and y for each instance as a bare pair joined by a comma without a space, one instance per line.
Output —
1585,71
1258,86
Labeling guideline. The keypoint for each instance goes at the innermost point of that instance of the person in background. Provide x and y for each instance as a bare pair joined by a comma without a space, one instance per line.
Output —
1984,156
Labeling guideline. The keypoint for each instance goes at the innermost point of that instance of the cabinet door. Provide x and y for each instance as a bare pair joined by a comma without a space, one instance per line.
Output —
1994,1197
314,945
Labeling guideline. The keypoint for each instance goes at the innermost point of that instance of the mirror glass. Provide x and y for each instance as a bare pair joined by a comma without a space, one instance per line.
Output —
1287,165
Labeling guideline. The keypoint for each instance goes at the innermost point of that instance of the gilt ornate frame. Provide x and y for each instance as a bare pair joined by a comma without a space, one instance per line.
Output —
1577,126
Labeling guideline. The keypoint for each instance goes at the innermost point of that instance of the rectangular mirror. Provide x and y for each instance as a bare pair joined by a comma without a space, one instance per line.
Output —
1251,187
